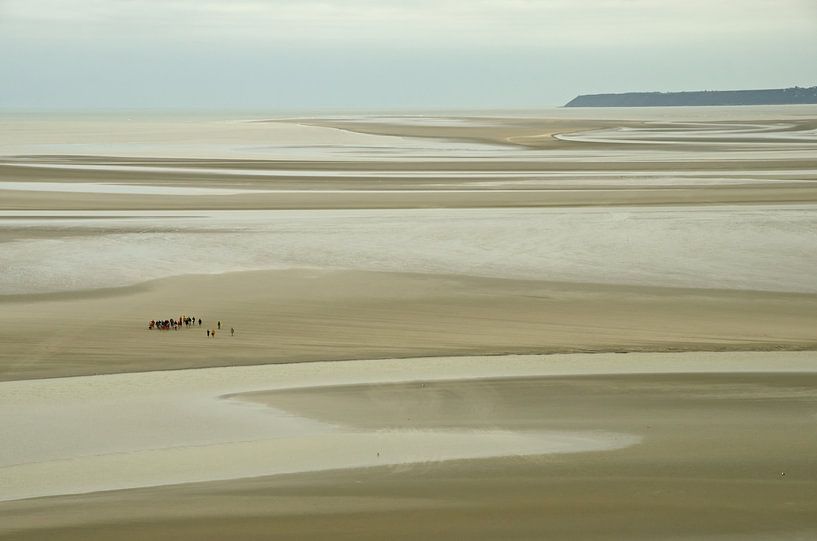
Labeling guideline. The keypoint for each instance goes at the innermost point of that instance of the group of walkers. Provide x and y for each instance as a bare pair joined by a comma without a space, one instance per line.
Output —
183,321
173,324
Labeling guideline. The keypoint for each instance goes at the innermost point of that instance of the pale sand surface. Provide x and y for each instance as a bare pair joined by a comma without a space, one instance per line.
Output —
560,134
98,183
780,193
199,436
711,436
308,315
696,234
449,162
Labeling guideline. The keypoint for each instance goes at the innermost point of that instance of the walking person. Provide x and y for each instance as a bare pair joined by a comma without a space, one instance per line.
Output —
208,333
219,325
232,331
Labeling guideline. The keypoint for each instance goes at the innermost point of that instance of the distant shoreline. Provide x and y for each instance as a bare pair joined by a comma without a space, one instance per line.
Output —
709,98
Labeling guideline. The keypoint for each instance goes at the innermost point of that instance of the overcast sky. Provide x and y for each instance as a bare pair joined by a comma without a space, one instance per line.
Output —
285,54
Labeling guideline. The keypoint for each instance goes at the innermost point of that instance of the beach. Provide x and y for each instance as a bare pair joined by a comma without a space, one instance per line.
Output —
648,445
565,324
309,315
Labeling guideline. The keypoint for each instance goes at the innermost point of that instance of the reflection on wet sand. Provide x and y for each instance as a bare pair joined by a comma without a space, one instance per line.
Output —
422,240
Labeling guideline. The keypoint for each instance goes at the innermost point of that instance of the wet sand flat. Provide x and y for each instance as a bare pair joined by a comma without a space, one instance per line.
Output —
649,272
736,156
309,315
762,247
722,454
411,199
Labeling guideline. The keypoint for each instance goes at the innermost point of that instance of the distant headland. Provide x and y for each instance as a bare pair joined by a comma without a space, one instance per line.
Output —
775,96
